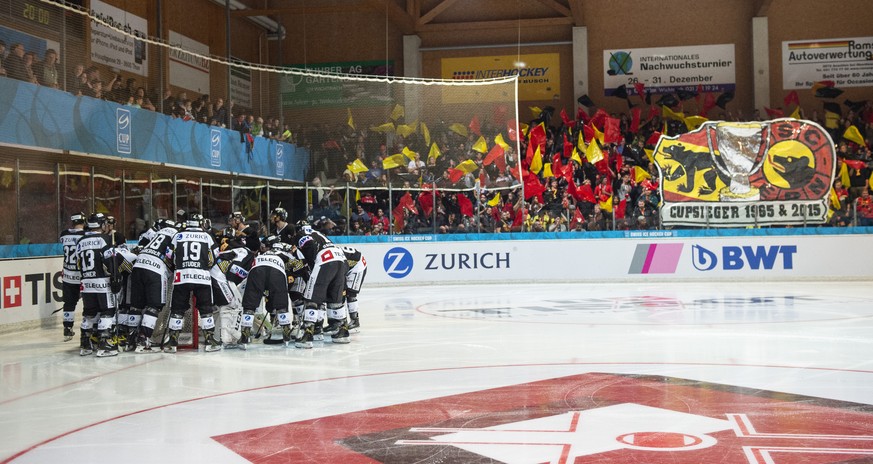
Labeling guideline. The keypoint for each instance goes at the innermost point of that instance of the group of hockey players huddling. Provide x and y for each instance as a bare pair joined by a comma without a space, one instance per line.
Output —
297,275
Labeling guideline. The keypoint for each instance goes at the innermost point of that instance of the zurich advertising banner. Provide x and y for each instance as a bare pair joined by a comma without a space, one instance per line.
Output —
36,116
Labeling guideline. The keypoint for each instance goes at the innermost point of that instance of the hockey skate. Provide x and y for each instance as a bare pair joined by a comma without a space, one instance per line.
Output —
341,335
245,338
68,334
210,343
354,322
306,337
333,326
172,343
318,331
107,347
144,345
287,334
86,346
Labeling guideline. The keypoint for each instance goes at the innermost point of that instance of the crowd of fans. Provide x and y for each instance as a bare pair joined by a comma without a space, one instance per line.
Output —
445,193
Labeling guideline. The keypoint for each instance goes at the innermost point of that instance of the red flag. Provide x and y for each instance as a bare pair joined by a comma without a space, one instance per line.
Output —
612,130
582,115
792,97
568,149
529,154
537,137
641,90
567,121
475,127
578,218
425,199
496,152
619,161
455,174
533,187
599,118
855,164
483,179
635,120
653,140
774,112
584,193
587,133
499,116
620,209
465,205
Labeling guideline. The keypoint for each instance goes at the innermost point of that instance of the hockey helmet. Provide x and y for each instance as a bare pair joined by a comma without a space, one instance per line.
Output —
194,220
181,215
96,220
78,218
270,240
281,213
304,226
238,215
110,220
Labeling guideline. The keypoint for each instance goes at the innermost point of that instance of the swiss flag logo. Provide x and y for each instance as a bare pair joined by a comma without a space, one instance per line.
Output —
177,277
590,418
11,291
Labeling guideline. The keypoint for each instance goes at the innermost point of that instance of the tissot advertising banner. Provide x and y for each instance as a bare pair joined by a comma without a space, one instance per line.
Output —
846,62
539,78
668,69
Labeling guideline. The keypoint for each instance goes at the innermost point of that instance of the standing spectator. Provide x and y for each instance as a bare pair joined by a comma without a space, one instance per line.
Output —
258,127
15,63
29,58
219,113
75,78
46,71
865,209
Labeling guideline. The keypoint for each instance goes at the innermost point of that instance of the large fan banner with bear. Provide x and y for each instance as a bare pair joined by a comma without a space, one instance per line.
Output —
728,174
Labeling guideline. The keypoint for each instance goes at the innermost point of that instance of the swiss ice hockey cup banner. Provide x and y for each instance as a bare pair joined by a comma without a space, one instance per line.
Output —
846,62
668,69
728,174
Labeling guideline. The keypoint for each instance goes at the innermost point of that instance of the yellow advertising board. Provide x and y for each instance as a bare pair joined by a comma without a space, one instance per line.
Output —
539,78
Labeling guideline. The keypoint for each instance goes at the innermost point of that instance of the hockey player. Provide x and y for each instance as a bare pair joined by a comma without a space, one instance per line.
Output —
149,282
95,257
326,284
354,280
247,233
194,255
71,276
234,261
285,231
268,274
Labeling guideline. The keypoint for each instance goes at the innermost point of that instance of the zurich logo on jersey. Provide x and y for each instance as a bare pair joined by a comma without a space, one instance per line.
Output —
398,262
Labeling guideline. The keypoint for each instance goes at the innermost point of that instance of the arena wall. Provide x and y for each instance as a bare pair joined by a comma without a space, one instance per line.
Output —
31,287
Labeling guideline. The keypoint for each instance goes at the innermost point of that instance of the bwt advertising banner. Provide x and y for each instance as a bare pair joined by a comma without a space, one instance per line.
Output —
621,260
37,116
539,77
846,62
668,69
114,49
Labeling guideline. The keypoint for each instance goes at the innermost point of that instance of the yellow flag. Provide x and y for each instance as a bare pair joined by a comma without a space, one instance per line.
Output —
667,113
693,122
351,121
832,120
357,166
598,135
593,153
468,166
547,171
523,128
434,151
394,161
870,182
536,164
409,153
844,175
397,113
796,113
387,127
650,154
535,111
575,156
426,133
481,145
357,196
852,133
458,128
835,200
499,141
494,201
641,174
606,205
406,129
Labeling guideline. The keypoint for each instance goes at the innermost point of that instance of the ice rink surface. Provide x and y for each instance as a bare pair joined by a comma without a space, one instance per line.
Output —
559,373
